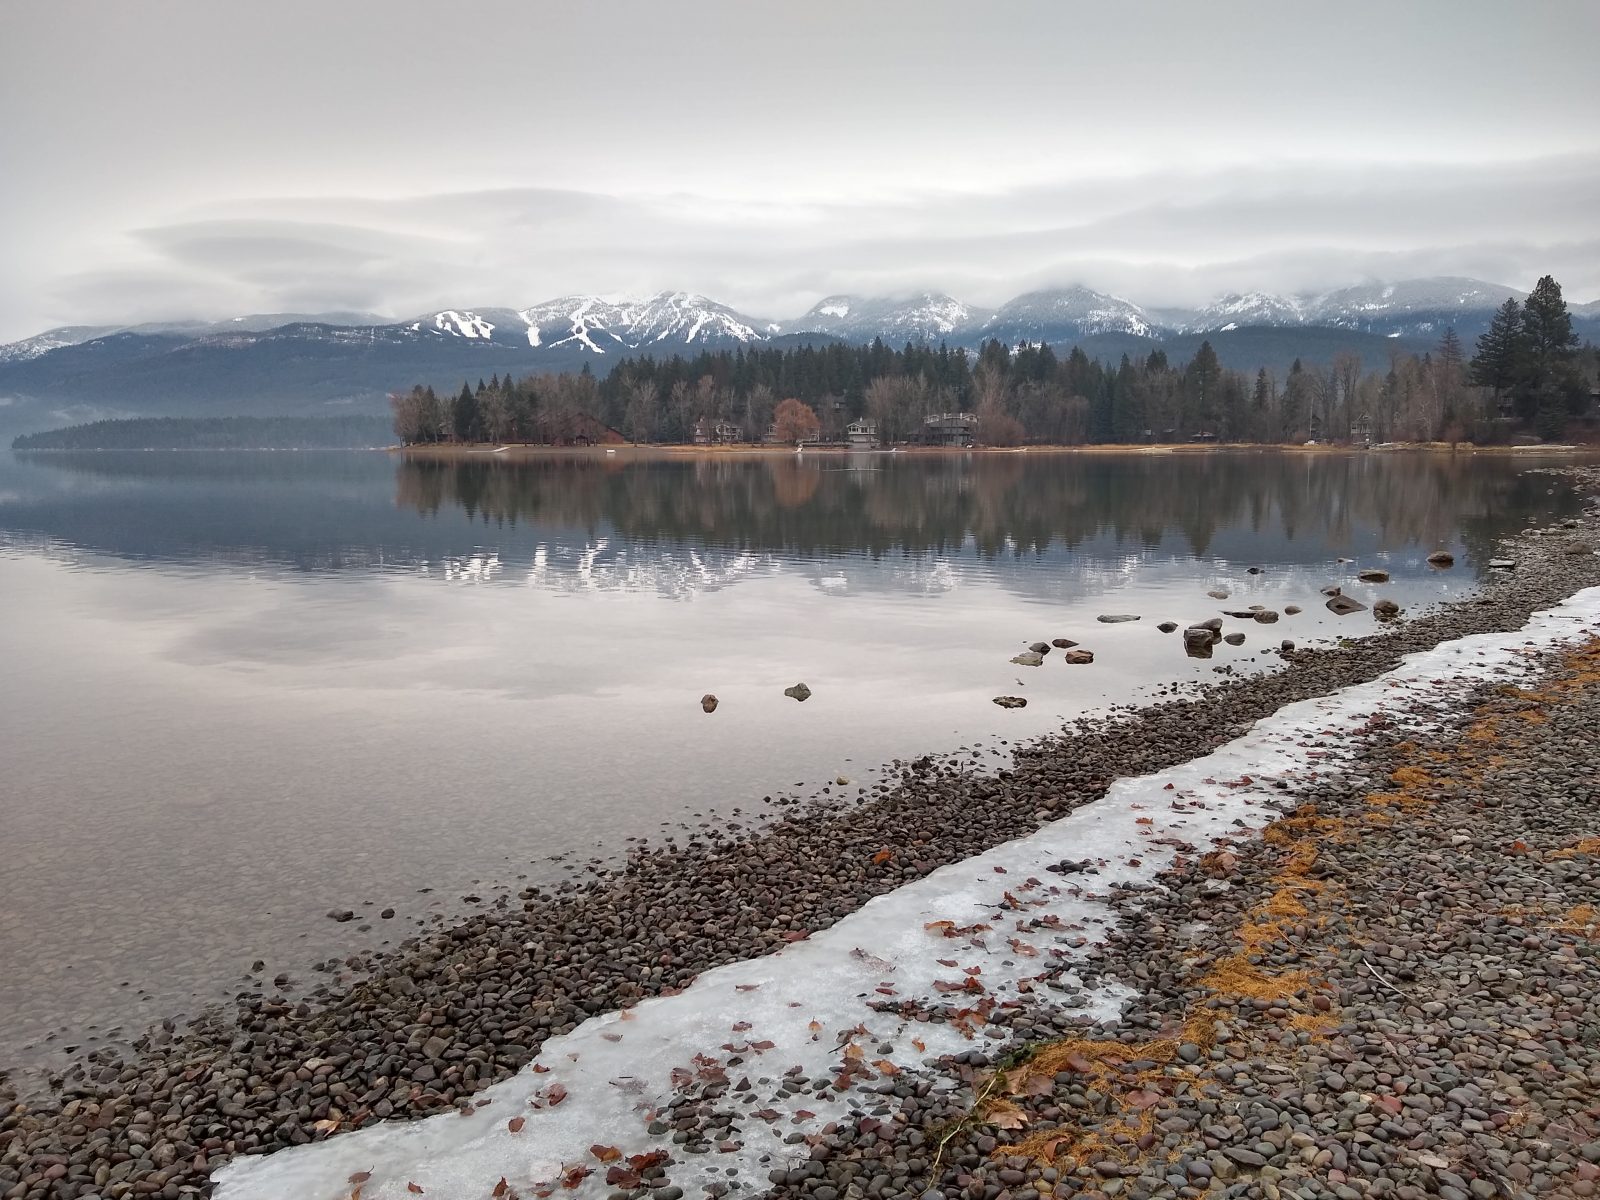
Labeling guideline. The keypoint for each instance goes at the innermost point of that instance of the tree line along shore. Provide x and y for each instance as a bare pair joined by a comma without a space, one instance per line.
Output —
1528,377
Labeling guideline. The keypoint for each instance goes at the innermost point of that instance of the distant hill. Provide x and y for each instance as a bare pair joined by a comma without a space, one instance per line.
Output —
215,433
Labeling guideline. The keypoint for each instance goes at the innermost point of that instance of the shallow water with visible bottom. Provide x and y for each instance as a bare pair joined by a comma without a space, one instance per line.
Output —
242,690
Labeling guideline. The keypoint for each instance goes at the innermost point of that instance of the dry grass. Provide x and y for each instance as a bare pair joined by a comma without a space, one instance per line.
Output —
1589,846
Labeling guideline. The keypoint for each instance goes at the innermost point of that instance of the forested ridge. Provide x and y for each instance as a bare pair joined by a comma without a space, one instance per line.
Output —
212,433
1528,373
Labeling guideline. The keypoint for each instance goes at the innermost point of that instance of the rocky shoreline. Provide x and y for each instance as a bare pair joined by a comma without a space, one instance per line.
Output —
460,1008
1394,992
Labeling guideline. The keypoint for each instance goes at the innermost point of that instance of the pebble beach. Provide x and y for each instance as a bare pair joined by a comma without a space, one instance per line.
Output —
1391,987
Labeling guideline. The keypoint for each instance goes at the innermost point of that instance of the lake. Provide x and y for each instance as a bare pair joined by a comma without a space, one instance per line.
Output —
242,690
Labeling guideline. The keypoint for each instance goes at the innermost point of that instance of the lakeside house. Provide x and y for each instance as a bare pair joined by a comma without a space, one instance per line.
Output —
950,429
862,434
716,433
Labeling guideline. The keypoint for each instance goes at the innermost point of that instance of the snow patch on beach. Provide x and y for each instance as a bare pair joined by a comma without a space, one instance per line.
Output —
976,934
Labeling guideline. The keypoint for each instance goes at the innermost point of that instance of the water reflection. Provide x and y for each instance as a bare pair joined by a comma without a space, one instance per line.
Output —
328,511
260,686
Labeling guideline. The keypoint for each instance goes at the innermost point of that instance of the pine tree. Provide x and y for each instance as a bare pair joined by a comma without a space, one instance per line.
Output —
1260,406
1549,389
464,416
1498,362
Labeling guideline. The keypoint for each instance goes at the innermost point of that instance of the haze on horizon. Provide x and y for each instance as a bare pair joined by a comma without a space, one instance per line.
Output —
181,159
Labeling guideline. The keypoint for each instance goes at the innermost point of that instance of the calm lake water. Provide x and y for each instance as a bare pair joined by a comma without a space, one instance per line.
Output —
240,690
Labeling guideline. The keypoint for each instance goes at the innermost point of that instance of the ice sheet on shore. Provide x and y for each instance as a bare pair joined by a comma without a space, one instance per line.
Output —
811,1005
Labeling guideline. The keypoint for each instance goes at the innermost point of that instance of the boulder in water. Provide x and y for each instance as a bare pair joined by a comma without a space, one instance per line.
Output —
1343,606
708,702
798,692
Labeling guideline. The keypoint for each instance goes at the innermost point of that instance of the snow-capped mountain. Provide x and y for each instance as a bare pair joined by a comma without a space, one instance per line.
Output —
51,339
1412,307
664,320
925,317
1237,310
1409,308
1060,314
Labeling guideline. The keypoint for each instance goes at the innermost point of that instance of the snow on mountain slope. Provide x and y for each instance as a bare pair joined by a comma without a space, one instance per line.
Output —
1411,306
1059,313
663,319
52,339
1240,309
925,317
463,324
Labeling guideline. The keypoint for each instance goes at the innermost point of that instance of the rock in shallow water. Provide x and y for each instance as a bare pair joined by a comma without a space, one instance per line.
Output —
1011,702
708,702
1116,618
1028,658
1343,606
798,692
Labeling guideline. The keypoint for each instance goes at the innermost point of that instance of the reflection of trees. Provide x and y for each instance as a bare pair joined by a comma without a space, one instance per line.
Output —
1018,503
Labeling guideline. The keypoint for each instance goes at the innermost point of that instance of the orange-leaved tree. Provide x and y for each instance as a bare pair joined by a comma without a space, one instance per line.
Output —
795,422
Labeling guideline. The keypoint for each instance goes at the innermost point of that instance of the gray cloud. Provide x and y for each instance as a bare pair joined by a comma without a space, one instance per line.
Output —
768,155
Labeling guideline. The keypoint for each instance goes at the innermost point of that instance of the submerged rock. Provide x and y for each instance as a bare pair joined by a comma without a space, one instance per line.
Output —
1028,658
1218,593
1343,606
798,692
1385,610
1266,617
1116,618
1373,575
1234,639
1442,558
1291,609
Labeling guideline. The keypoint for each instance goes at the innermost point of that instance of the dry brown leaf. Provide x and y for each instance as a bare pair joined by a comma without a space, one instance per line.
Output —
605,1153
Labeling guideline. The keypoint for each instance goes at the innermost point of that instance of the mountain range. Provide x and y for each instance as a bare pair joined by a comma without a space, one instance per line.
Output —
348,361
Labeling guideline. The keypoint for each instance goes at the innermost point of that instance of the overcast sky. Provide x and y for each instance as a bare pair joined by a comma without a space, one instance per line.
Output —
175,159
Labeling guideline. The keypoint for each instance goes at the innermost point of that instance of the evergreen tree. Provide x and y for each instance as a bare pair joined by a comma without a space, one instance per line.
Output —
1498,362
464,415
1550,389
1261,407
